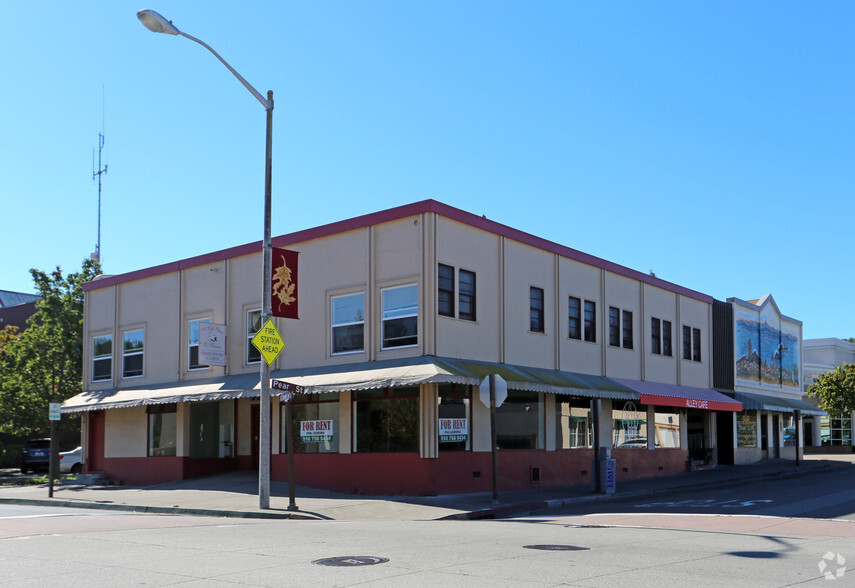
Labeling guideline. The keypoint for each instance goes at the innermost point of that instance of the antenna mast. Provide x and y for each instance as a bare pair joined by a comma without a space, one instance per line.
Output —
97,174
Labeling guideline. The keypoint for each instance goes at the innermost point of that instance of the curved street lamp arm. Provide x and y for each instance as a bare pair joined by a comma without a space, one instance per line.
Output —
267,104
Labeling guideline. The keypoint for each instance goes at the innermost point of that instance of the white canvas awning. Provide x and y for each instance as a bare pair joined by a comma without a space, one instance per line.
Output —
241,386
428,369
357,376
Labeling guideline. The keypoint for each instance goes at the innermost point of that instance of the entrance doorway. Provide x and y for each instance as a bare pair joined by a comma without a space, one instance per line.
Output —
724,437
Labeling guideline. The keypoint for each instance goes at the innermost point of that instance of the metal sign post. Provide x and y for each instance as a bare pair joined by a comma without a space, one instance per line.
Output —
288,390
493,392
54,416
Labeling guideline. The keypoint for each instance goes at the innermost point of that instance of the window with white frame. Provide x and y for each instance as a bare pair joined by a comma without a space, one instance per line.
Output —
102,358
347,317
691,343
253,325
133,343
400,316
193,362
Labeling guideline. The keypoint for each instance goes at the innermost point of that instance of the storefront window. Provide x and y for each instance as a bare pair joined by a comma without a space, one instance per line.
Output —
519,421
667,423
746,428
386,420
455,430
836,431
629,426
161,429
314,419
573,428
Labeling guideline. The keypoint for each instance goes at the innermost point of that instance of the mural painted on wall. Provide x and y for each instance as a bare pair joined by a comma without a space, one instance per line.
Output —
767,348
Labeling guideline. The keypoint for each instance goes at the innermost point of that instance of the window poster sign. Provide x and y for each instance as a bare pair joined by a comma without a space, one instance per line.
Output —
453,430
316,431
212,344
746,430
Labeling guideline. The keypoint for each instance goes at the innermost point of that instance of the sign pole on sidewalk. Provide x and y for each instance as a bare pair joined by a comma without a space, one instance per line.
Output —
493,436
54,416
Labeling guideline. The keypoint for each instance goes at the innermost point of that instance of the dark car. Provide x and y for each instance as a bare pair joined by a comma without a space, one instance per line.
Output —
35,455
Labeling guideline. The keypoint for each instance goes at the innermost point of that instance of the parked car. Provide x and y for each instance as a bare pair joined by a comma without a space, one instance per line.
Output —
69,461
35,455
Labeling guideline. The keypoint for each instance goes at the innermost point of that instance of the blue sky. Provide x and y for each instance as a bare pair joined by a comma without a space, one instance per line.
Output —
711,143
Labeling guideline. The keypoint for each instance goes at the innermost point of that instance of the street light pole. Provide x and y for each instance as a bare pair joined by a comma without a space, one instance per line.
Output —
158,24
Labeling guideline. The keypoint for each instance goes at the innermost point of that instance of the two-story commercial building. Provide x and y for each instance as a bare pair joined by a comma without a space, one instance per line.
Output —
402,314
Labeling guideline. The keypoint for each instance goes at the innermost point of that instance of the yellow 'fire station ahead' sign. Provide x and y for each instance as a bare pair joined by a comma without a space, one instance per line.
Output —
268,341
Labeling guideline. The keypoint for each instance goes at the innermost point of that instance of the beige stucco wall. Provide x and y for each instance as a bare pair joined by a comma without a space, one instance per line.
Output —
125,432
698,315
663,305
625,294
465,248
527,267
581,281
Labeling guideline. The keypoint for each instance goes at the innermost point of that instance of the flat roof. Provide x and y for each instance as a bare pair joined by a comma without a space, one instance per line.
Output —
393,214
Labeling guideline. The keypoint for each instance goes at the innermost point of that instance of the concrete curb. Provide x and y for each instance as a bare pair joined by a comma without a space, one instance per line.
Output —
169,510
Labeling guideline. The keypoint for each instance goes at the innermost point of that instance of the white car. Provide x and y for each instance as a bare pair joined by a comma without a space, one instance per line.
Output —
69,461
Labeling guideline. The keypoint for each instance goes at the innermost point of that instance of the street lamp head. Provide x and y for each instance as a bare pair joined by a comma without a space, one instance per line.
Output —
156,23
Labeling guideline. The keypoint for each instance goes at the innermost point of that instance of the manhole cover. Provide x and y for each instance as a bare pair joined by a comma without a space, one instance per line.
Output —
346,561
556,547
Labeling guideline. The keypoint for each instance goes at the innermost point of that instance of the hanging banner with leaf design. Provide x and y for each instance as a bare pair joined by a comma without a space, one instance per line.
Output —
284,283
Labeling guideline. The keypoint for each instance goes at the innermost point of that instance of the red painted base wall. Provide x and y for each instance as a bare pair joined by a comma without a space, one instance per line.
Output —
408,474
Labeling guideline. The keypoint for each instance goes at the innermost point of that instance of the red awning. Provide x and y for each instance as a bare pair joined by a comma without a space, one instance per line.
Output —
682,396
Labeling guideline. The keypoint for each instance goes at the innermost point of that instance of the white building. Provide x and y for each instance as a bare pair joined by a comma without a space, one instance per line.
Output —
822,356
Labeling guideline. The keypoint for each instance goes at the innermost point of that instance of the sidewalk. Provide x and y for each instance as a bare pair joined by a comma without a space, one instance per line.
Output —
235,494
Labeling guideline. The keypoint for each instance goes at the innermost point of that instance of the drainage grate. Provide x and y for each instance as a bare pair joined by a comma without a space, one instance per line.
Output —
351,561
556,547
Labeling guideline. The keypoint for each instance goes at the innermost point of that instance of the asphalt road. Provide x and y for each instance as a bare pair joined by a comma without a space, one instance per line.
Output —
68,547
826,494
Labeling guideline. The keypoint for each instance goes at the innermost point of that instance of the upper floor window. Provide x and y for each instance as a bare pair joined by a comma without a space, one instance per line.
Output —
627,329
445,298
102,358
691,343
575,318
582,325
465,293
620,328
590,321
133,343
400,320
348,323
253,325
536,322
660,336
193,346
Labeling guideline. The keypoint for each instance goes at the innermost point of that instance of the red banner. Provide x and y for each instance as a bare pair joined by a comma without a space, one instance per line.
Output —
284,283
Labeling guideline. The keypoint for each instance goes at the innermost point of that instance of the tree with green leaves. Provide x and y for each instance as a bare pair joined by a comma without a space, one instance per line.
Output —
836,390
43,363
